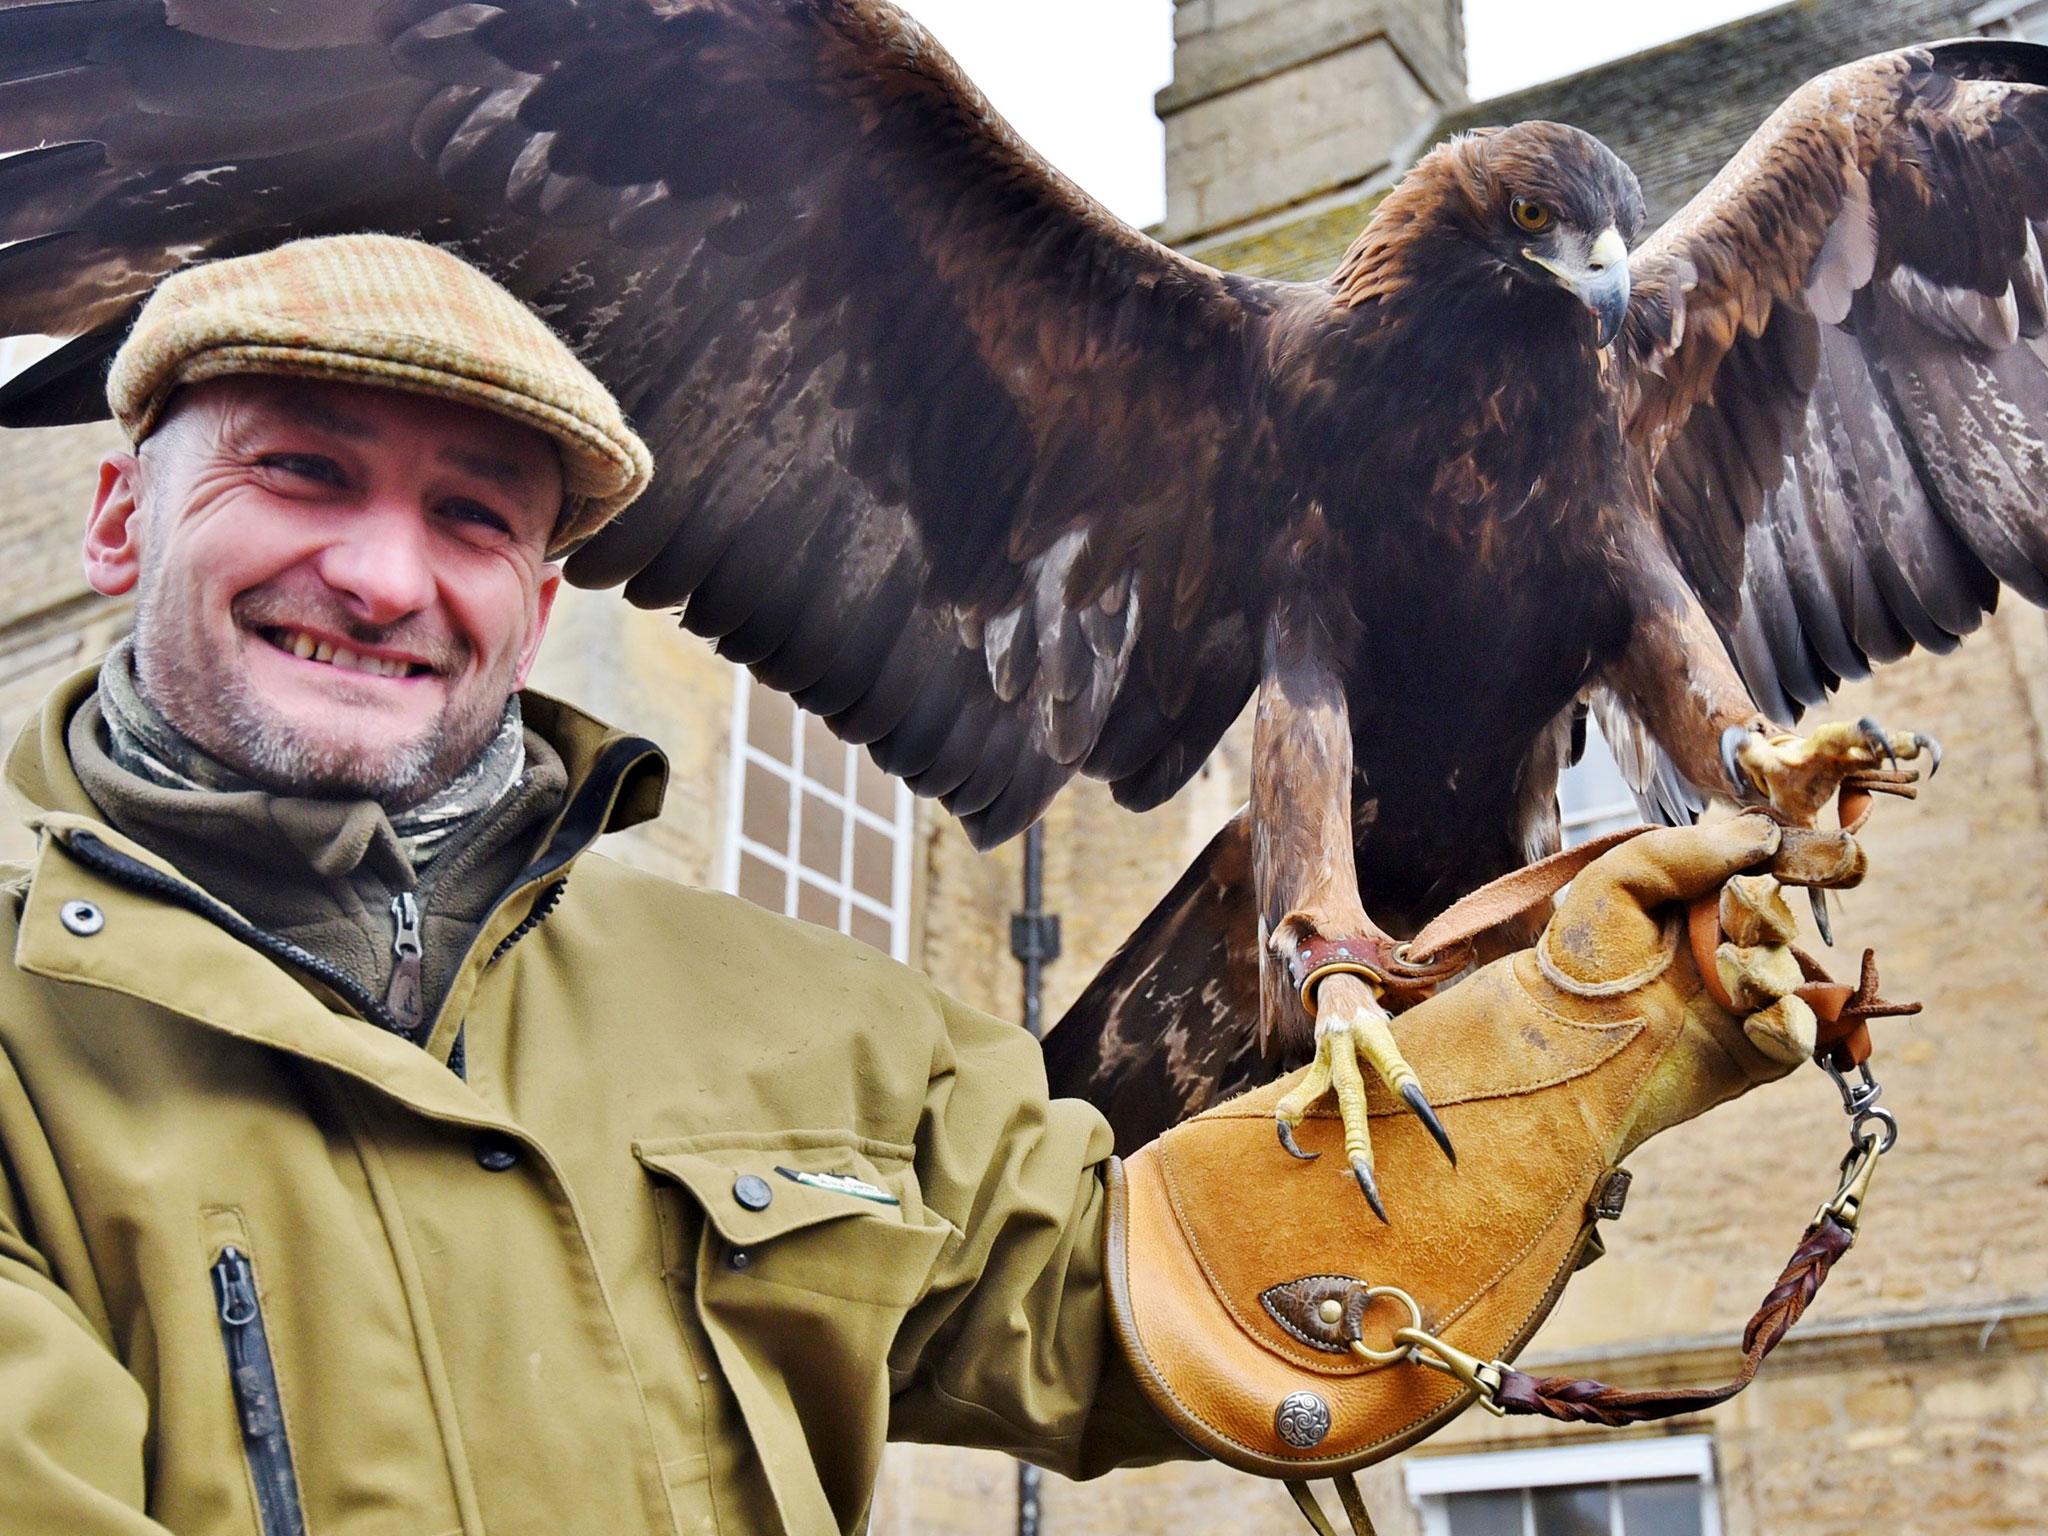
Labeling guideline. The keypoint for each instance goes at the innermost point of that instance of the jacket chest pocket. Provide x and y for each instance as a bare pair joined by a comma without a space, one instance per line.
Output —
810,1249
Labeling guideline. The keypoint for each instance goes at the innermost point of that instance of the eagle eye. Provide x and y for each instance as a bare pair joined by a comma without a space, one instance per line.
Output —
1529,215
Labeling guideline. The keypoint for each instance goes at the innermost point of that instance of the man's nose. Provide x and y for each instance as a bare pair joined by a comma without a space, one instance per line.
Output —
381,563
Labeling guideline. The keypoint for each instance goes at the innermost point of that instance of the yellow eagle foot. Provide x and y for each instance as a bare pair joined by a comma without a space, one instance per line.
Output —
1352,1034
1799,775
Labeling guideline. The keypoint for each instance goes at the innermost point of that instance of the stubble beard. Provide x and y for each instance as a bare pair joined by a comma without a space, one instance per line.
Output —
229,721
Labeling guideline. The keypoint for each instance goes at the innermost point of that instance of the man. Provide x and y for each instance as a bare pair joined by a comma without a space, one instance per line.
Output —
379,1160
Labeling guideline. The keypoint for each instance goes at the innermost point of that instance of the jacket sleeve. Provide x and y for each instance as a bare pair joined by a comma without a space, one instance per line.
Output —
1011,1347
72,1420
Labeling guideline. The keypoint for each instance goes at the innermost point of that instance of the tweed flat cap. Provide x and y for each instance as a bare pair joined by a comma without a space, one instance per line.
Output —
378,309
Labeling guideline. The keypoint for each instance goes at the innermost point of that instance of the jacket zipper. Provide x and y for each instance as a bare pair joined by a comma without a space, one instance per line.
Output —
257,1407
537,914
405,997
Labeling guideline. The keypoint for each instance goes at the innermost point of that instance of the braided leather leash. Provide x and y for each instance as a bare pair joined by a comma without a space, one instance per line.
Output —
1576,1400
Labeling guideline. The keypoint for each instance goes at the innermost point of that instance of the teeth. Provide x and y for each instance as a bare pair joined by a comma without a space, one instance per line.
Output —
306,648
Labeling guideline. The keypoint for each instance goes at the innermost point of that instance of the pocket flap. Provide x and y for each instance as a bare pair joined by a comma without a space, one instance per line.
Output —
753,1189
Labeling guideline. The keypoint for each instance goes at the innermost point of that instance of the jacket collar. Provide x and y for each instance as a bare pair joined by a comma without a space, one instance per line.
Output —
40,774
173,956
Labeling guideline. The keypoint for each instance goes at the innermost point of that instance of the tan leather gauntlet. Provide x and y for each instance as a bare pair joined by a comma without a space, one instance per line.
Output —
1238,1277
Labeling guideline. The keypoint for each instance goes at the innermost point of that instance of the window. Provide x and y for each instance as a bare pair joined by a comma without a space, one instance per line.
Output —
1622,1488
814,829
1592,794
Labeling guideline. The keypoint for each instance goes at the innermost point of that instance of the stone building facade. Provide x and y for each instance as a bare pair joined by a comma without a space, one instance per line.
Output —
1915,1397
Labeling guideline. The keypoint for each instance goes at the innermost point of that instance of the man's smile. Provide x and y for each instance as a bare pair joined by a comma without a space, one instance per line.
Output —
305,646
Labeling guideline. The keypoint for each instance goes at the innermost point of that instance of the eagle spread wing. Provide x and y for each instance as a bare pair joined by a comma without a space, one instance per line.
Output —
1837,368
946,451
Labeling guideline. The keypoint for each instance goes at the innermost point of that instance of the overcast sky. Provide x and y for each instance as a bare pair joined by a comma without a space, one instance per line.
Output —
1077,76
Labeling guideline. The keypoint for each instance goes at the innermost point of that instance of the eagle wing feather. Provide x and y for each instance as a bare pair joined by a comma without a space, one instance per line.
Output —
1835,373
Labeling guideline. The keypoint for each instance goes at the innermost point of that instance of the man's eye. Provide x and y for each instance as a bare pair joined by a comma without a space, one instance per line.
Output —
462,510
305,466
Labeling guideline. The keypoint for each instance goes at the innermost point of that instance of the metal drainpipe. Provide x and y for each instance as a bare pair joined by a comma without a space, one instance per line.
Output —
1035,941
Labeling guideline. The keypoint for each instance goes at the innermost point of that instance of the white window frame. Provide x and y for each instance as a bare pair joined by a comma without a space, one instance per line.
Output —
1573,823
1431,1479
837,787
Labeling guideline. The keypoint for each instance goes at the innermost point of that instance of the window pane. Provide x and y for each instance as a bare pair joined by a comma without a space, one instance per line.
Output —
874,863
870,929
818,837
877,790
1578,1511
768,720
761,883
1668,1506
824,755
1592,793
764,812
1485,1514
814,906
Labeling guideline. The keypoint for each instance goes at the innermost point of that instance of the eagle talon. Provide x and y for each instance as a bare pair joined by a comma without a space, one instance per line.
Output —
1362,1171
1352,1040
1412,1092
1732,741
1818,898
1877,741
1293,1147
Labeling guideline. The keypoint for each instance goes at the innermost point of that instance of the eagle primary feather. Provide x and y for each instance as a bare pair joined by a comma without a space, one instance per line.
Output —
1007,491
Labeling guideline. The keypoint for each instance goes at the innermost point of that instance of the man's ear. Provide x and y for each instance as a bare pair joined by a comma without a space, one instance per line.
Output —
544,606
113,548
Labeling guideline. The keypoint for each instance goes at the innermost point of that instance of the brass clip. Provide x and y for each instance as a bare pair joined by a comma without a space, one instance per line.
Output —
1857,1170
1484,1377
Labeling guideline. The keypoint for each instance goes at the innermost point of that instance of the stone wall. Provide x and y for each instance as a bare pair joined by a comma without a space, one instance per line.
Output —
1275,102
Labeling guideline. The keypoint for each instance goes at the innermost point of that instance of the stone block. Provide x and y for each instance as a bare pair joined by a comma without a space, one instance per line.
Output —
1889,1402
1277,140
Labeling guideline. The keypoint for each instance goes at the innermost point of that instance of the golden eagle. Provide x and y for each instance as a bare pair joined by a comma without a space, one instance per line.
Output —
1007,491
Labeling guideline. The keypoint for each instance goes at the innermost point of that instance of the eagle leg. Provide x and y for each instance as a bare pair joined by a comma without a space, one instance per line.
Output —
1322,958
1352,1034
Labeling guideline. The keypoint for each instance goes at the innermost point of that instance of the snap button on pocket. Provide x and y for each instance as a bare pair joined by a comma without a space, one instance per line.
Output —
739,1258
82,918
496,1152
752,1191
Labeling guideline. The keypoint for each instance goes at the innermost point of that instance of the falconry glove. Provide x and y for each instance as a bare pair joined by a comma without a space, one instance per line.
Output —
1261,1313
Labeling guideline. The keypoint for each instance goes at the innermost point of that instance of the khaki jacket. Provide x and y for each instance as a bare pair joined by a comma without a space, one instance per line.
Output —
724,1202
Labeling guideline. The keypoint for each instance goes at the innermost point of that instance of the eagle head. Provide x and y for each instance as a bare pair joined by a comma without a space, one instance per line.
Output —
1552,206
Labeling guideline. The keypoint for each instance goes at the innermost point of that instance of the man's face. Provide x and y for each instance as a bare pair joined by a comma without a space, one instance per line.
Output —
337,586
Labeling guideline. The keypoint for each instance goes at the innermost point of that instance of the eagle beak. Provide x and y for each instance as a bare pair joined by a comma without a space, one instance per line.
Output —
1601,283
